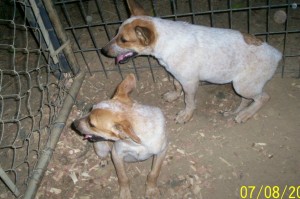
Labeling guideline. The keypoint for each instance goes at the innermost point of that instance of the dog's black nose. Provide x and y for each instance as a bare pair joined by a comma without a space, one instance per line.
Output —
76,123
104,51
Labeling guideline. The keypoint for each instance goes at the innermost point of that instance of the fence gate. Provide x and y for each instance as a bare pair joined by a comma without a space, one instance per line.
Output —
39,81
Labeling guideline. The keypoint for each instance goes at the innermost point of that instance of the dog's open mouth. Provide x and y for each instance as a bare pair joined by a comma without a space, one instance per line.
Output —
93,138
124,57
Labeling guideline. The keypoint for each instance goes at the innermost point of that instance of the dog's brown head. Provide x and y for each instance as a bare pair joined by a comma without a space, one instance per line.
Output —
108,124
136,36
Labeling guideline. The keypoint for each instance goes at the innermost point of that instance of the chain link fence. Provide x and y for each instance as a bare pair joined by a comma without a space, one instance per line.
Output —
35,95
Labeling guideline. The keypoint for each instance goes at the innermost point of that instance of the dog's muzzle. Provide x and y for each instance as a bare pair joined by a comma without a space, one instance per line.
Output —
80,125
121,55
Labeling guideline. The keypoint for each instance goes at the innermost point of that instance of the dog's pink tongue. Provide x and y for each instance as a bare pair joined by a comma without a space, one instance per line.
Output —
121,57
87,137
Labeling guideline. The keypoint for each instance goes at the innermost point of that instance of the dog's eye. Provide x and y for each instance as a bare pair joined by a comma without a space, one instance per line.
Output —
123,40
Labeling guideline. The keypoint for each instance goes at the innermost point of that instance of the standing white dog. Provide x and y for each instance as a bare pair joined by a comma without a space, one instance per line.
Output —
193,53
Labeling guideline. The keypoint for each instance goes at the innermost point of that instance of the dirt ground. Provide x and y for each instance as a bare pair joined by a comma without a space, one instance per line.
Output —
209,157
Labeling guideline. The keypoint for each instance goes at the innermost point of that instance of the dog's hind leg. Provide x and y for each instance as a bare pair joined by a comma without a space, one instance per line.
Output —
173,95
244,103
250,89
248,112
122,177
151,186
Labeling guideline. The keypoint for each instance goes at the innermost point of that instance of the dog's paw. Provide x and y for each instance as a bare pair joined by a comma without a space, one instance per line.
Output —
243,116
227,113
152,192
171,96
125,193
184,116
103,163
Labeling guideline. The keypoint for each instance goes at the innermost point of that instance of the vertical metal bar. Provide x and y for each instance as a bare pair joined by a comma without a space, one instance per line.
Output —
119,69
174,8
249,16
117,9
119,17
299,67
285,38
230,14
135,70
133,63
153,3
267,18
74,35
154,7
56,130
93,38
211,14
148,57
151,68
134,67
191,4
61,34
103,20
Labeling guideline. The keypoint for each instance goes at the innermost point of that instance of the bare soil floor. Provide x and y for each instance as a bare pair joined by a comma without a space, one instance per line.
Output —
210,157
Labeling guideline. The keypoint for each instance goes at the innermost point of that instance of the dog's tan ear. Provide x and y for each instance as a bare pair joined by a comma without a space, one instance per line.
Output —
124,88
144,35
135,8
126,130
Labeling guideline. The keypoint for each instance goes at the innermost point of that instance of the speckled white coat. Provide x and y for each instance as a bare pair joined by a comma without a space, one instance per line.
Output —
193,53
148,124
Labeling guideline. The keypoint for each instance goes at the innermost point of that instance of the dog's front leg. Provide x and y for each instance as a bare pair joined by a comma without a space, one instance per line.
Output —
102,149
151,186
170,96
189,89
122,177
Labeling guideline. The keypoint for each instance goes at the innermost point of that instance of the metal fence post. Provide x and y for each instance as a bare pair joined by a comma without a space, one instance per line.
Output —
61,34
56,130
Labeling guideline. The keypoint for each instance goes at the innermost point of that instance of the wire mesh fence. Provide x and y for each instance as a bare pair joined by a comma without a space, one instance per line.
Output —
91,24
33,88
